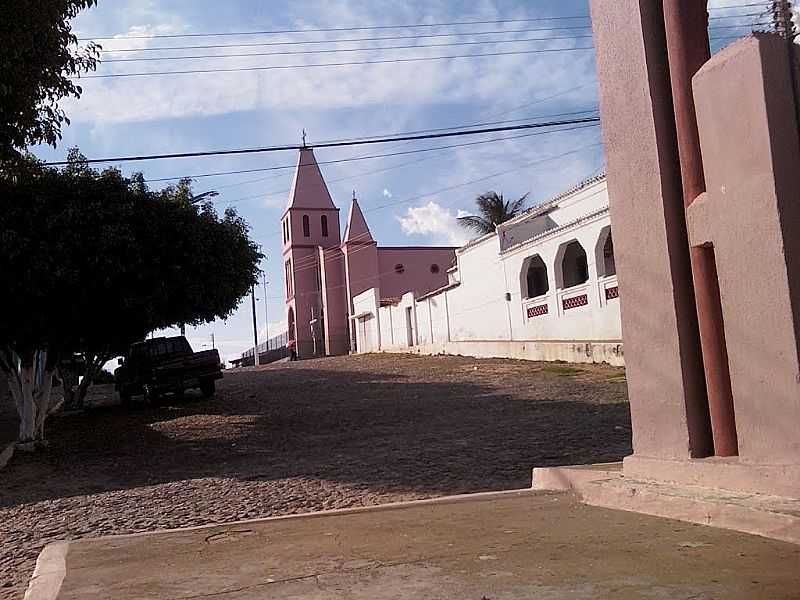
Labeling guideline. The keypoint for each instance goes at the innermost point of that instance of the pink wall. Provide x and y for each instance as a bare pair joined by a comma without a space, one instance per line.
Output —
751,153
334,302
296,237
305,295
417,276
363,270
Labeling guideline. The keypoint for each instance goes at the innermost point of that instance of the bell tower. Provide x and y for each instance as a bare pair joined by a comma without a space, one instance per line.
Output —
311,257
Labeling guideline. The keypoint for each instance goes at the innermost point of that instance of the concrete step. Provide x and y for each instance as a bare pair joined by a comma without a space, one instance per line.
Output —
774,517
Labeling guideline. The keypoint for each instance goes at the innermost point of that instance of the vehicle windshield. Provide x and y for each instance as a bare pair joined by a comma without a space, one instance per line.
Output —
165,347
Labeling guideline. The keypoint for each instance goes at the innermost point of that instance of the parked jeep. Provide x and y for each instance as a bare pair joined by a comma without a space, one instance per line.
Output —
165,365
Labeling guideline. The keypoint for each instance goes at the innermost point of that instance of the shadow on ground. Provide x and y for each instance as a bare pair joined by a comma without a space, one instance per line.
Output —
428,425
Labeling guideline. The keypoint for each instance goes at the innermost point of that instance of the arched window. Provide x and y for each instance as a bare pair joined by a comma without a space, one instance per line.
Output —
536,278
604,254
434,268
306,227
574,266
610,267
323,221
288,272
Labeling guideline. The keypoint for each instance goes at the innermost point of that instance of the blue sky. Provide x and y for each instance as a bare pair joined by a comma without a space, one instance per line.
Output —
401,195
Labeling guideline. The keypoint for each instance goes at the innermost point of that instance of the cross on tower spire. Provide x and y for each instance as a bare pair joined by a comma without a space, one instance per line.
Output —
304,138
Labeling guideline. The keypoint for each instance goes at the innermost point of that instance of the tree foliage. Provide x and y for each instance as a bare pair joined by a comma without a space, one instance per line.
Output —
93,261
39,58
492,210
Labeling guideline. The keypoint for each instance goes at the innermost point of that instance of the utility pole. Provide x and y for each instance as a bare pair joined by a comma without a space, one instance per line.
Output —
255,329
784,26
782,19
266,308
213,342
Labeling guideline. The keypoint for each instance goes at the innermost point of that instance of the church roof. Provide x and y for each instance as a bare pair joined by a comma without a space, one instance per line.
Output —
309,190
357,229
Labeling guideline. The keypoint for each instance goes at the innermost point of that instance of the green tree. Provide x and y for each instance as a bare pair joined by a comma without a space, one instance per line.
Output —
93,261
39,58
492,210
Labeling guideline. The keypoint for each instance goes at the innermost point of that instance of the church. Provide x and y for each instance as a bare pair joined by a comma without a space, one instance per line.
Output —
324,272
542,286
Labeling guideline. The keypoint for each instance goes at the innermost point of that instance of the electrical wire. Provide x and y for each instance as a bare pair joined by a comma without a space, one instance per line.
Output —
337,143
338,50
286,191
331,41
334,64
331,29
370,156
361,28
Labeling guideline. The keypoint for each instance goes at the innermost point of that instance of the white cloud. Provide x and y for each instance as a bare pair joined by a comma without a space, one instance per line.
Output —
436,222
137,99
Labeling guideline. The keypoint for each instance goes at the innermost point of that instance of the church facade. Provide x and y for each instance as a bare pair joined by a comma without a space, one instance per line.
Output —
541,287
323,271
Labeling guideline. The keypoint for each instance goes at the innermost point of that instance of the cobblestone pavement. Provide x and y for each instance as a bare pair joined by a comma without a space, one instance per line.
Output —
306,436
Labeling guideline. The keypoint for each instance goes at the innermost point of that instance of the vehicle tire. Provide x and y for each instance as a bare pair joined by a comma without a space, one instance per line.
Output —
207,388
152,396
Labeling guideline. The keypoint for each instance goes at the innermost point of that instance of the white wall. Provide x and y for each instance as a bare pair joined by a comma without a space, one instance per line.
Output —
477,308
365,307
599,320
589,196
486,312
394,319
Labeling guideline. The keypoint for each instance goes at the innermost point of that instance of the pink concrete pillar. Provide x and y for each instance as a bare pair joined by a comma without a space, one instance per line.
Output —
751,215
687,46
662,347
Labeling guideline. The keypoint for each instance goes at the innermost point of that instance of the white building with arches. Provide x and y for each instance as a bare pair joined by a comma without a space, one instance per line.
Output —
542,287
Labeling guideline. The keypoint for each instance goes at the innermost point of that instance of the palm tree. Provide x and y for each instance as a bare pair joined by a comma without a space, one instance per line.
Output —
492,210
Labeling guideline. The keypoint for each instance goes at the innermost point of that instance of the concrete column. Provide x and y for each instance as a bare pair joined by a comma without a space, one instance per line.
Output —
666,385
688,49
751,215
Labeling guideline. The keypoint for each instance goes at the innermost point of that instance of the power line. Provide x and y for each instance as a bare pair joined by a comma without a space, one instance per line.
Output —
338,143
404,164
390,168
471,181
334,64
350,63
366,39
338,29
335,41
418,160
329,29
371,156
338,50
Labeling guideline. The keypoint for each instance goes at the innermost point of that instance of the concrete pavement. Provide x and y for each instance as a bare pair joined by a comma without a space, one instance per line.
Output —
502,546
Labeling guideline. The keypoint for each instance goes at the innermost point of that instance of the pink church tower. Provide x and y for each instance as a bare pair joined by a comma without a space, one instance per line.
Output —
313,264
361,266
360,254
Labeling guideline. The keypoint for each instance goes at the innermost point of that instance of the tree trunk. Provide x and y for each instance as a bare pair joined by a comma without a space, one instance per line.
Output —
30,381
69,385
27,405
93,365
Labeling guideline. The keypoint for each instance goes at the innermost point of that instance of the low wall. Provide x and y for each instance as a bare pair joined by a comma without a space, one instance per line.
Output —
568,351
